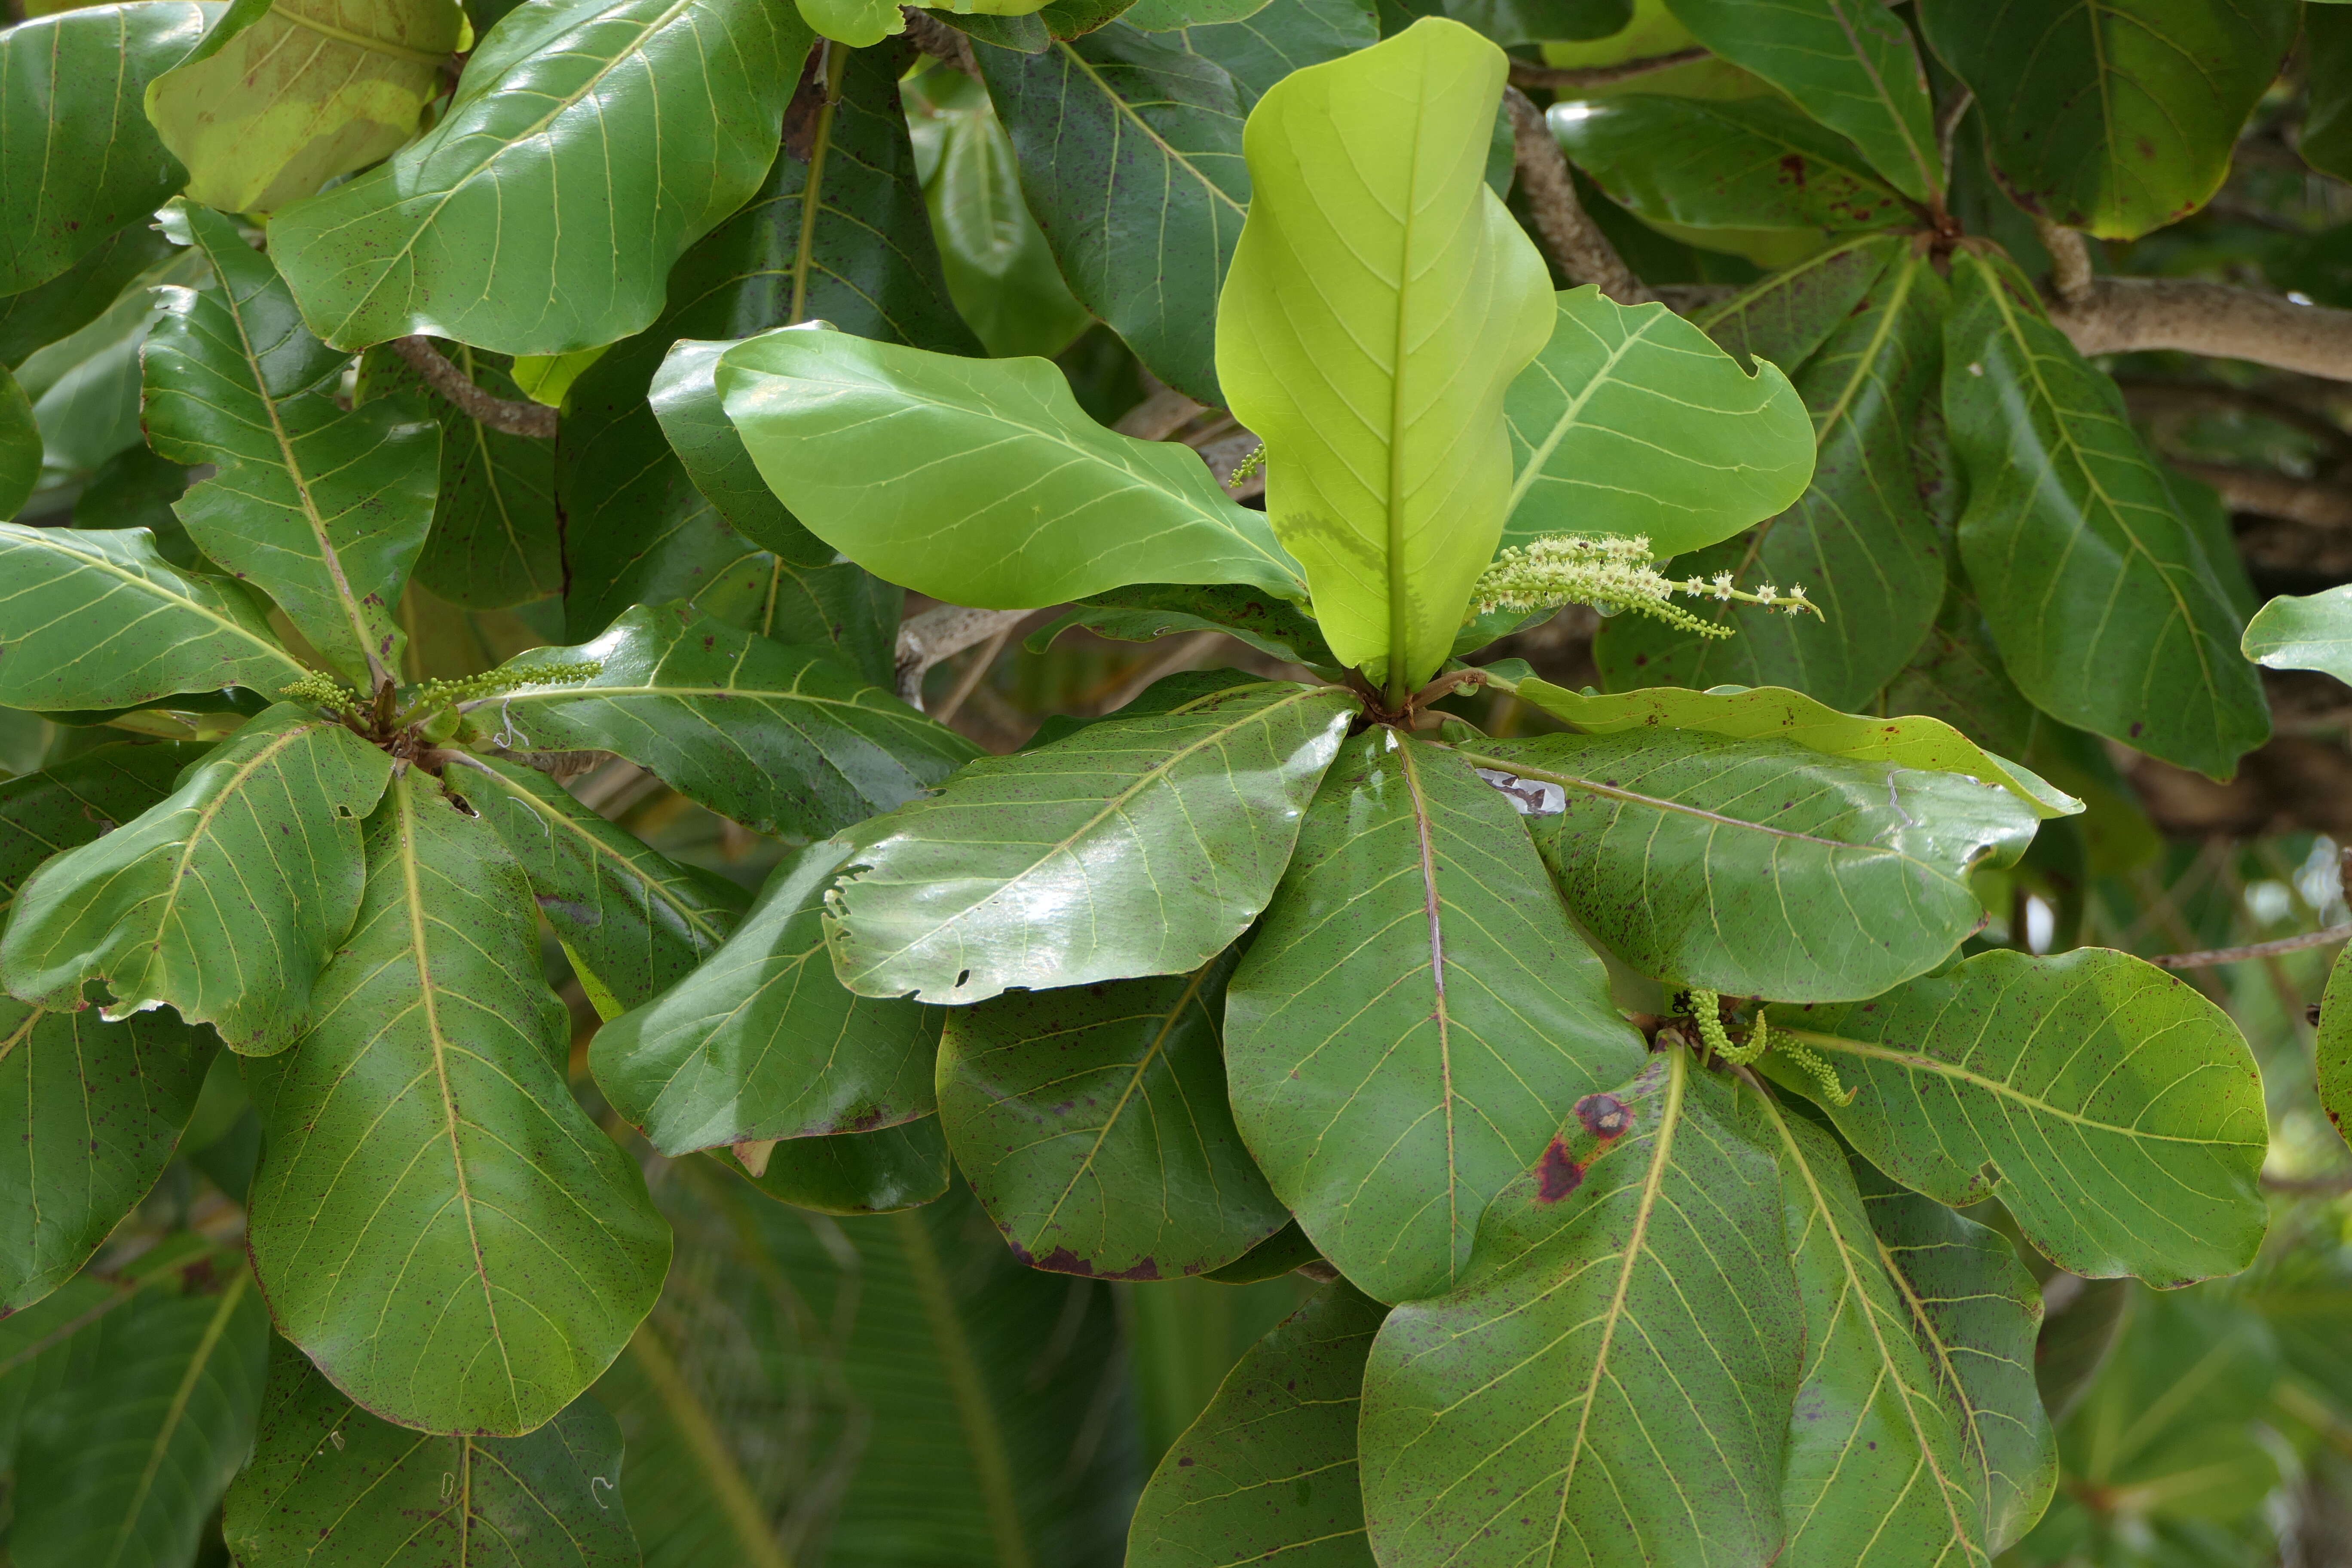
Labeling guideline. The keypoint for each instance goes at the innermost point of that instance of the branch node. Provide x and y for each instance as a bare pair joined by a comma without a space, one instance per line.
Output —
2070,261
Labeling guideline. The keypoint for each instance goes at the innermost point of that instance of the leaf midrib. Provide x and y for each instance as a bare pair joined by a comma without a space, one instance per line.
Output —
231,1295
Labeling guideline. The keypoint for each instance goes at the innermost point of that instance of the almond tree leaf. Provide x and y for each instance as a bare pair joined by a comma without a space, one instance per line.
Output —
65,592
885,1171
330,1481
284,95
1268,1471
2114,1110
589,144
1135,847
982,481
440,1226
1284,36
1788,315
79,295
685,398
762,1042
2103,603
1632,422
78,159
1633,1300
224,900
1093,1123
2310,632
1381,302
20,446
1759,867
1412,1014
2332,1048
782,738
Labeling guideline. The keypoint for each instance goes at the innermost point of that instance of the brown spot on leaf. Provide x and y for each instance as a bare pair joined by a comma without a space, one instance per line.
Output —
1603,1115
1557,1173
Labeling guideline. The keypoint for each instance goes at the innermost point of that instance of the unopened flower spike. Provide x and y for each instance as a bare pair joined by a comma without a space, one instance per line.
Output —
1814,1062
1607,568
472,688
318,690
1707,1012
1249,465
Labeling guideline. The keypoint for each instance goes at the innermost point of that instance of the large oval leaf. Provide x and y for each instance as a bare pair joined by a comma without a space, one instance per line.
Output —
2113,1109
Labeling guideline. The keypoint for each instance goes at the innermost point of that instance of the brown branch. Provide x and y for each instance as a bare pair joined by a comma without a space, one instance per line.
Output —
2125,315
1947,128
1568,78
942,631
2266,492
1576,244
2215,957
2309,1186
2070,261
936,38
514,416
2152,396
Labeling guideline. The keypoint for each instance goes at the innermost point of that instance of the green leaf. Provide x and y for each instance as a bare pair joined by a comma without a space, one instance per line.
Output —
589,144
780,738
1153,610
124,1467
1001,492
1093,1122
2116,118
1411,1017
1632,422
2113,1109
440,1226
1282,36
1269,1469
685,398
1381,302
1788,316
165,631
284,95
78,159
224,900
2310,632
324,510
762,1042
20,446
1760,867
1137,847
1130,148
2333,1048
80,294
1634,1303
2325,142
331,1482
885,1171
1956,678
85,387
1847,63
1172,16
2105,610
635,918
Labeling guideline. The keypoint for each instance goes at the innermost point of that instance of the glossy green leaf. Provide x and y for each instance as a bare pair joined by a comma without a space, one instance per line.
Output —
20,446
80,294
1848,63
1411,1015
589,144
1956,678
1634,1299
78,159
224,900
1760,867
1129,149
1281,36
2332,1050
284,95
1152,610
1093,1122
780,738
886,1171
1137,847
324,510
1632,422
2310,632
685,398
1381,302
1172,15
1284,1252
125,1465
2116,118
85,387
167,631
1788,315
2113,1109
762,1042
1269,1472
441,1228
981,481
330,1482
2101,601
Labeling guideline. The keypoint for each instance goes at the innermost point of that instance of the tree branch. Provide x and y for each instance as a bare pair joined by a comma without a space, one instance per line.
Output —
2215,957
1567,79
2124,315
2268,493
511,415
2070,261
936,38
1575,242
942,631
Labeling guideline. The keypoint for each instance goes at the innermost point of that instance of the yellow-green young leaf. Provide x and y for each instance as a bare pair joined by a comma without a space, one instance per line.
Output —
1380,300
2312,632
284,95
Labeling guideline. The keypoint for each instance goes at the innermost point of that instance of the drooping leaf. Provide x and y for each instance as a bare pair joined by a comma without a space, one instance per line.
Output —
78,159
284,95
1381,302
1412,1016
330,1481
1130,148
1284,36
2103,603
2116,118
441,1228
1137,847
167,631
589,144
885,1171
324,510
1759,867
2113,1109
1152,610
224,900
981,481
1633,1299
780,738
85,387
762,1042
1269,1472
1093,1123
